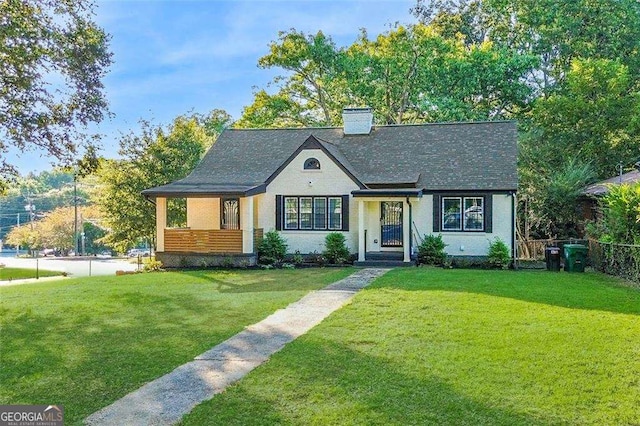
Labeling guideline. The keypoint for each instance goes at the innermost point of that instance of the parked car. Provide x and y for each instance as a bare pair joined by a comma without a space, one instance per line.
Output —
135,252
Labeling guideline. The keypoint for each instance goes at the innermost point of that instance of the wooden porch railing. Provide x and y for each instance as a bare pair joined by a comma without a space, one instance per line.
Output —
203,241
208,241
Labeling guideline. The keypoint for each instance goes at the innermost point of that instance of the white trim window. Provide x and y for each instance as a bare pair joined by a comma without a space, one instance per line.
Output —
462,214
320,213
306,213
309,213
335,213
290,212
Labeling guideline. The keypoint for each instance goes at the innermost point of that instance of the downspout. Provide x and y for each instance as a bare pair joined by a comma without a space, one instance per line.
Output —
513,230
410,229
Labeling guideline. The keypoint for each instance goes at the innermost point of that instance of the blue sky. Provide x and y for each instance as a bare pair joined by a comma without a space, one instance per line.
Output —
173,57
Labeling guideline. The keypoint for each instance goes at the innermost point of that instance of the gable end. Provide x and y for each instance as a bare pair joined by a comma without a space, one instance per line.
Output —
313,143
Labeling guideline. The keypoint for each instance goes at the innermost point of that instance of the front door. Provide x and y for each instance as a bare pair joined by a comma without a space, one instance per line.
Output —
230,217
391,223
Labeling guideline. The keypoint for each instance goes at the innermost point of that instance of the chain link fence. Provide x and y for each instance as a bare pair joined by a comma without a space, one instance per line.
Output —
621,260
534,249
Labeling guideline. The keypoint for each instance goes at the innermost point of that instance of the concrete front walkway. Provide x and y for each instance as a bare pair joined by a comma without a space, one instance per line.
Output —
165,400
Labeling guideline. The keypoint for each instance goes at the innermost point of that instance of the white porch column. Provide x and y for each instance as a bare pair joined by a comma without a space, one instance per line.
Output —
246,223
361,242
161,222
406,231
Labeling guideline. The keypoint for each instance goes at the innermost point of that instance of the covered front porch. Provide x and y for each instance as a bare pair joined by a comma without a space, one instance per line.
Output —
220,229
385,226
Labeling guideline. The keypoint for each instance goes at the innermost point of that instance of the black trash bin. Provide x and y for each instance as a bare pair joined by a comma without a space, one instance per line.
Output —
552,256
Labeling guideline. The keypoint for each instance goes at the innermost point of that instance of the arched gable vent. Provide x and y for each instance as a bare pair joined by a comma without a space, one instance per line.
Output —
311,164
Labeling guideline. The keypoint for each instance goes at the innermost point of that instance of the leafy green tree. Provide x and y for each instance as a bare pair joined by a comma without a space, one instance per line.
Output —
310,59
621,214
93,235
54,57
594,118
407,75
549,205
56,229
557,32
46,191
155,156
309,94
24,236
274,111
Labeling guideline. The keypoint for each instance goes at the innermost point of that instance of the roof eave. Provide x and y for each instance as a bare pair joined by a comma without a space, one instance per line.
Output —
204,193
400,192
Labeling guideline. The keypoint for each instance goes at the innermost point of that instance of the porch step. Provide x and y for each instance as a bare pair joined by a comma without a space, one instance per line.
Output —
383,263
384,255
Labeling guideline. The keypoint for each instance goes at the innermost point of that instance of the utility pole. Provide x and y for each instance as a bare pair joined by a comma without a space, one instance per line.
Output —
82,233
75,212
31,209
18,226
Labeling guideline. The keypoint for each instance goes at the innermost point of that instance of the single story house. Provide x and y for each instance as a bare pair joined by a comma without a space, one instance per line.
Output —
383,187
589,198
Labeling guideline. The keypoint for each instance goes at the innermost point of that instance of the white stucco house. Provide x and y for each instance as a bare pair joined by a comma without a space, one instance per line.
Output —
383,187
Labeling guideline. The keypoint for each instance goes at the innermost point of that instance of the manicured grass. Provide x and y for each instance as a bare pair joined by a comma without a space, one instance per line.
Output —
86,342
7,274
456,347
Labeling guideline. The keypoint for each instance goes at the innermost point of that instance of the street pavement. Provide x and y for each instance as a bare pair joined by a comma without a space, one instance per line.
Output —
73,266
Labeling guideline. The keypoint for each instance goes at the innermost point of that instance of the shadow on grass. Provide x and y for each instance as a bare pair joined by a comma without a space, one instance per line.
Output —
580,290
268,281
86,361
328,383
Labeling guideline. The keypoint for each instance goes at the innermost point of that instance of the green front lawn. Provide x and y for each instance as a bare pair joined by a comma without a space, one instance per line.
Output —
8,274
432,346
87,342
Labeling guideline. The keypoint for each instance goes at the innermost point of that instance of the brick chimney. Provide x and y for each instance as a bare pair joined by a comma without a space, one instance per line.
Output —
357,121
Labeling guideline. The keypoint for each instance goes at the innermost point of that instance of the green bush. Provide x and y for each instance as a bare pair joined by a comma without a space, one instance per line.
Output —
336,250
152,265
272,249
498,256
297,258
621,214
431,250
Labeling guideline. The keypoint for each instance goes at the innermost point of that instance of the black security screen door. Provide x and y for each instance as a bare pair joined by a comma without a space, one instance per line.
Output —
391,223
230,214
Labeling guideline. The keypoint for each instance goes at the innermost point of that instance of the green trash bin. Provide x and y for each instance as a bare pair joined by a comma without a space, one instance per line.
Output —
575,257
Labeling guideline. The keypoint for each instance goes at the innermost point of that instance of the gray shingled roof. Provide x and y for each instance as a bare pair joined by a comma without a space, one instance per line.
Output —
601,188
445,156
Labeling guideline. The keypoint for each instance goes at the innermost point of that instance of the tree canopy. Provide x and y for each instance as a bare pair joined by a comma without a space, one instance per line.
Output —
53,57
409,74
